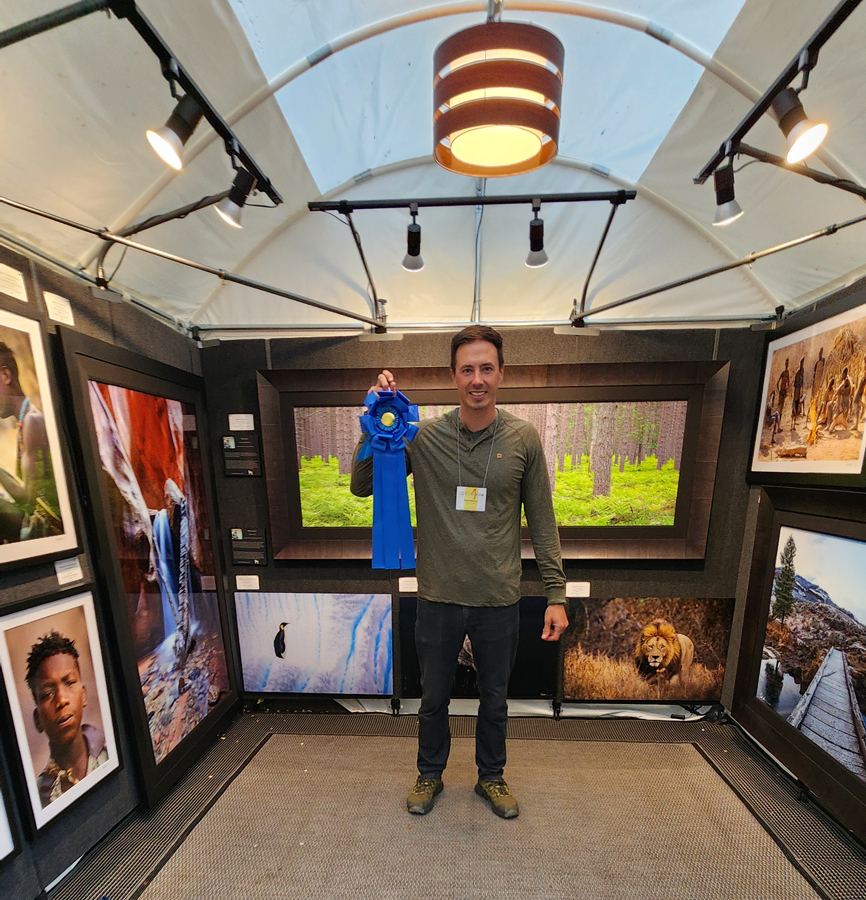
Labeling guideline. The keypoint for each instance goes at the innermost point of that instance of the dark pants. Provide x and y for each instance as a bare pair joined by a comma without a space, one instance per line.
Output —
439,632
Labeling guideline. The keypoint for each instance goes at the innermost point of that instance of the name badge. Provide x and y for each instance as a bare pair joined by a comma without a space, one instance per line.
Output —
472,499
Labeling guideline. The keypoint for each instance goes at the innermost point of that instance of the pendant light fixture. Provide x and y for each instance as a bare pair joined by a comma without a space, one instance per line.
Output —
727,208
497,94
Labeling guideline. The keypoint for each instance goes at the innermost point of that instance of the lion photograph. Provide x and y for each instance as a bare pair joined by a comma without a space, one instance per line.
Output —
646,649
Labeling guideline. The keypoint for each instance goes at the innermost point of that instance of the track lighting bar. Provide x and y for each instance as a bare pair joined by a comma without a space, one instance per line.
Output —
127,9
803,61
348,206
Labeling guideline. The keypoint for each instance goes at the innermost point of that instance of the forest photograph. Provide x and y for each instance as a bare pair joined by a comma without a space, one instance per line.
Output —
609,463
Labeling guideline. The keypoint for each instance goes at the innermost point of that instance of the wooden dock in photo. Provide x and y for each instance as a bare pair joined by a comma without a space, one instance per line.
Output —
829,715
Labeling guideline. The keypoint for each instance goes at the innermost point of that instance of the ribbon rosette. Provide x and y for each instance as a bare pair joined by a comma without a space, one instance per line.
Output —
387,424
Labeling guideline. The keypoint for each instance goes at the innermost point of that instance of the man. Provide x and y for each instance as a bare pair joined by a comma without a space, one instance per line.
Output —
797,404
771,417
468,562
61,698
840,402
782,387
817,374
34,510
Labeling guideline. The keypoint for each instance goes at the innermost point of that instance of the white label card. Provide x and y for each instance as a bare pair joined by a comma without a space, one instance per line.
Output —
68,570
59,308
471,499
577,588
246,582
241,422
12,283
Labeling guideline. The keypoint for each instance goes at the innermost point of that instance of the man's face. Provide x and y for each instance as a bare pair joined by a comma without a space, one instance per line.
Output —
60,699
477,375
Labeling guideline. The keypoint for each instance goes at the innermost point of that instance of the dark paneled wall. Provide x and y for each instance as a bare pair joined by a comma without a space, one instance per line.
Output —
45,855
229,370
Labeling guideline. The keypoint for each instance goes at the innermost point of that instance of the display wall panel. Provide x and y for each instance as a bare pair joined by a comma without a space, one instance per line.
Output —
143,436
801,679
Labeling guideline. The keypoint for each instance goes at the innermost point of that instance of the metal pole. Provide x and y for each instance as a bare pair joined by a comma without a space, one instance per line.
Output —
843,184
41,24
578,320
613,209
107,235
376,305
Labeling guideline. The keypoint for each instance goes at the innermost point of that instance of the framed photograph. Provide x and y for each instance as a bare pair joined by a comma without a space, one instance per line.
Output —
143,442
631,453
646,649
535,670
801,682
56,688
35,511
316,643
810,428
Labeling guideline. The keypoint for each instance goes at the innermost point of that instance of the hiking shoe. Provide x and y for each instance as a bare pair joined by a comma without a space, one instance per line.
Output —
501,800
422,797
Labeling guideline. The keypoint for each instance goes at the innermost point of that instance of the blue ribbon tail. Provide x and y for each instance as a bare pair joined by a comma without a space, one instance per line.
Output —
389,469
406,538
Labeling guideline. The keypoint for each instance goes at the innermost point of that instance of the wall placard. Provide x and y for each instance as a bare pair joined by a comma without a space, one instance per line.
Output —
241,455
249,547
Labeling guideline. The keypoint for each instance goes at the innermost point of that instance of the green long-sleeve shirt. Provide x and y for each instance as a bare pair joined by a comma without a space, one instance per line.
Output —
473,558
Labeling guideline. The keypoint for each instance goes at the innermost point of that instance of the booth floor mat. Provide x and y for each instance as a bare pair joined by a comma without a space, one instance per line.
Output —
305,805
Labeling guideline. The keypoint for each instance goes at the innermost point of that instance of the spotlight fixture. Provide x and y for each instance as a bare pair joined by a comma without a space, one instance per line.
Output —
537,257
727,208
412,261
803,136
168,142
497,94
231,207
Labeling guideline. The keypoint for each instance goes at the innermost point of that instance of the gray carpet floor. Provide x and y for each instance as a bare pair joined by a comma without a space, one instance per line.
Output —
323,816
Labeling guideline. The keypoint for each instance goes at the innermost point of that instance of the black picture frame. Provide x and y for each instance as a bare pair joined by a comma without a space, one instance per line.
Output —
702,385
780,463
74,614
10,841
22,324
86,360
836,513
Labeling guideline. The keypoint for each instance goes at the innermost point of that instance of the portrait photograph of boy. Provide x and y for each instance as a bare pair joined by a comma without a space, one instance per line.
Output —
52,667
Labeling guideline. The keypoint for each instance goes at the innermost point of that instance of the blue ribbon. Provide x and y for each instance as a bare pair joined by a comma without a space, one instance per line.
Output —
387,424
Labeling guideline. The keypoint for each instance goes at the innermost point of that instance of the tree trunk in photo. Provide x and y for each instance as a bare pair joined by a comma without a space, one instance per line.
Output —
565,412
603,429
300,434
348,432
666,427
578,436
550,440
679,431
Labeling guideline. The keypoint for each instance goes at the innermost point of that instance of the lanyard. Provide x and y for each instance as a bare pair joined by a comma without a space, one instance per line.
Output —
489,455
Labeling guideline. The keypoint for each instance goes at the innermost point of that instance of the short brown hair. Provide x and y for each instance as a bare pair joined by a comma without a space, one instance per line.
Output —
473,333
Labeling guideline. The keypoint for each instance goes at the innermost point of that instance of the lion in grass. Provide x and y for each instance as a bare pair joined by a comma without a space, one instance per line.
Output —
663,653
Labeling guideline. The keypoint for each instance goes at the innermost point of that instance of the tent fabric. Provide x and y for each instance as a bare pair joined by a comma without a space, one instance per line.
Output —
334,101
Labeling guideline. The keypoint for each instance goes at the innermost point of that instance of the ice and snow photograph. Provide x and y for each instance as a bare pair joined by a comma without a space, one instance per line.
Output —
316,643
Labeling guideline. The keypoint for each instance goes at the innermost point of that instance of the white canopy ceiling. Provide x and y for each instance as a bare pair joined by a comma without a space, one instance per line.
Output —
333,99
